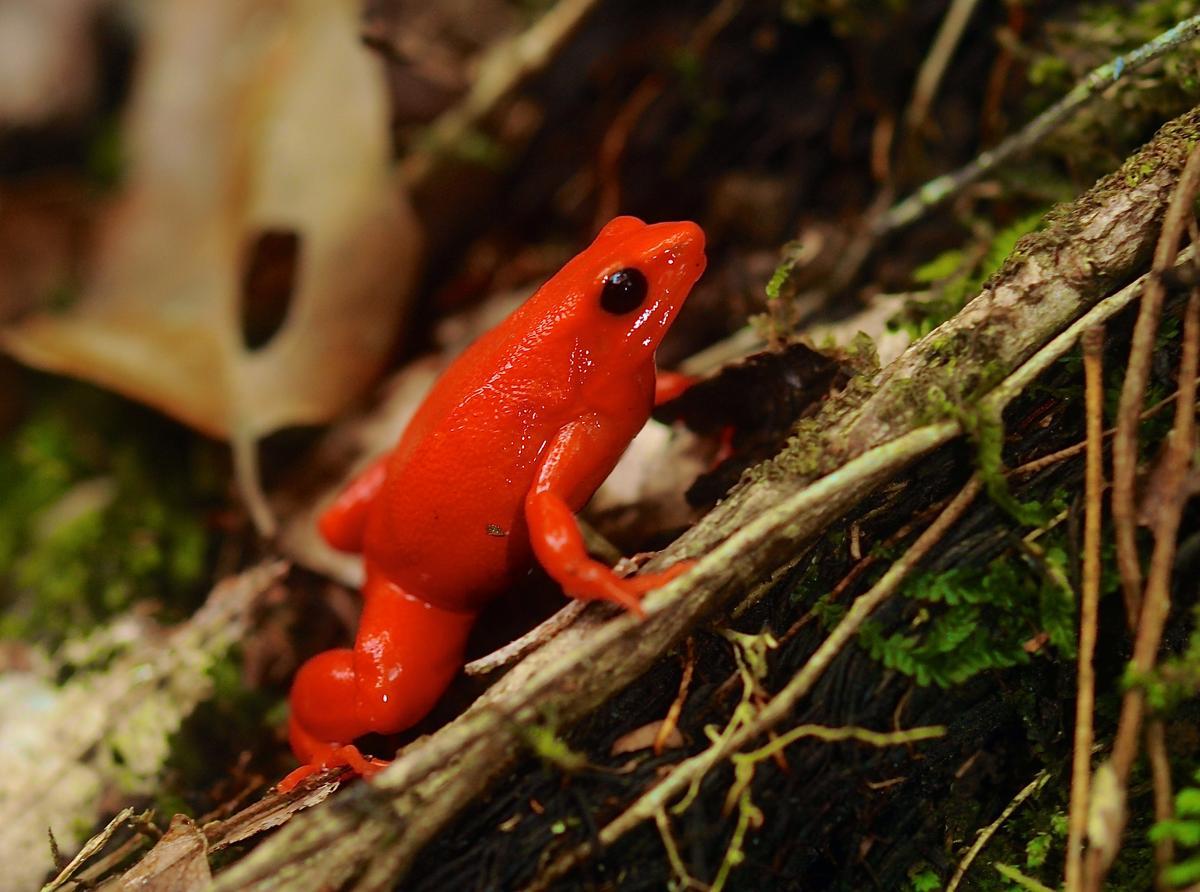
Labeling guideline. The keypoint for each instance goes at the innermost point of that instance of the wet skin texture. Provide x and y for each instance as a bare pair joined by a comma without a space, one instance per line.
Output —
513,439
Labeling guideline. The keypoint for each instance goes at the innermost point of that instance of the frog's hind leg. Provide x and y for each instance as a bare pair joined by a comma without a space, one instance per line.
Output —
319,721
406,654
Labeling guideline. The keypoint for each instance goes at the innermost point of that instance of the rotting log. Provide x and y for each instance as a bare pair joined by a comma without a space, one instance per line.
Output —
863,437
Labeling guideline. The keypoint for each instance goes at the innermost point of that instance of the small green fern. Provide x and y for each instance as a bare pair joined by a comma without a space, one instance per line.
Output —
1184,829
974,619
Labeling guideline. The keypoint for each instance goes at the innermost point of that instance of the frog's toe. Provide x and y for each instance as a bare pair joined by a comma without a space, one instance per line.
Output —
320,756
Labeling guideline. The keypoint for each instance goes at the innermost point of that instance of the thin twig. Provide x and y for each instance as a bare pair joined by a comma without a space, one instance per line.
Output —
530,641
738,543
671,722
1081,766
1016,383
644,807
504,68
1164,806
1134,387
684,880
93,846
1052,458
1100,79
934,66
990,830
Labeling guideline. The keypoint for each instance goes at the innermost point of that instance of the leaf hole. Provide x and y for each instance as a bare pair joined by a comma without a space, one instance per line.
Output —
268,284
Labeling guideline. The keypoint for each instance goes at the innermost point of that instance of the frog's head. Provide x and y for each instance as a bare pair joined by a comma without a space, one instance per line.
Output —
621,294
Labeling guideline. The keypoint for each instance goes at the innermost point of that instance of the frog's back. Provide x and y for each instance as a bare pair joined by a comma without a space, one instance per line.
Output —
449,523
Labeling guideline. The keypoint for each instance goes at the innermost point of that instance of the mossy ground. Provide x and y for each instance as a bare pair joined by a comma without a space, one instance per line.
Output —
107,507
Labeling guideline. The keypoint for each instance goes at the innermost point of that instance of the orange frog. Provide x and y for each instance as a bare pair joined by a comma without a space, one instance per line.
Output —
512,440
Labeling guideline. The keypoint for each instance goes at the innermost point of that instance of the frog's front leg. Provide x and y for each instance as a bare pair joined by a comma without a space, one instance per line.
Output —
568,474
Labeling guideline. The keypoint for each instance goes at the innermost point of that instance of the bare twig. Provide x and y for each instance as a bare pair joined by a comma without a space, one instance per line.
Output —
1053,276
93,846
941,188
990,830
684,880
505,66
1015,384
934,65
672,720
1164,806
1045,461
531,640
863,606
479,744
1081,767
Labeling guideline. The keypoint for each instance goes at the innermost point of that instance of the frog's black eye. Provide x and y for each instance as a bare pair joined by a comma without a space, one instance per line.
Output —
623,291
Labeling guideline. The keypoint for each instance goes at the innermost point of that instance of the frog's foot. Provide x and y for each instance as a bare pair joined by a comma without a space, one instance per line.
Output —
671,385
593,581
559,548
320,756
325,716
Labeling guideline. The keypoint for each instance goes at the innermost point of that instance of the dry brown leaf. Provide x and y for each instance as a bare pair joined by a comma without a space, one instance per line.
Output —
47,60
1106,813
644,738
271,811
177,863
250,117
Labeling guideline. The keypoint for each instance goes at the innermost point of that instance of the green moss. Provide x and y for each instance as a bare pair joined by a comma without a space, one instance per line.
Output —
1176,679
1039,846
923,878
781,294
809,452
547,745
101,511
806,453
215,735
987,432
1135,173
